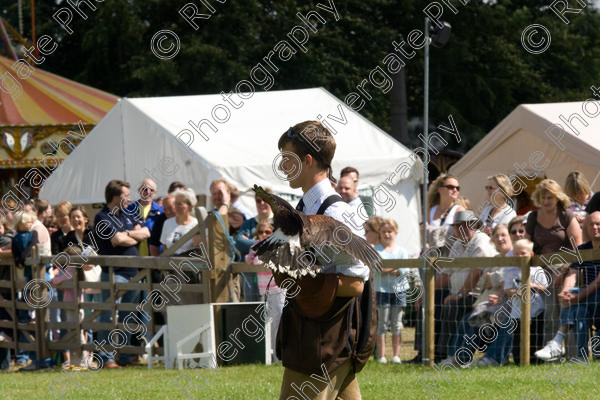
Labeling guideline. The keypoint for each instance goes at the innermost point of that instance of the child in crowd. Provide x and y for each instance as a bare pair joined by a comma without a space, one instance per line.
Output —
263,230
23,242
6,237
5,294
372,227
509,337
68,274
390,291
276,297
578,189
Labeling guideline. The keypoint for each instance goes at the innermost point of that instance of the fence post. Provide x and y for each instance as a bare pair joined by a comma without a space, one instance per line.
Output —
429,315
77,321
218,253
39,272
525,311
13,283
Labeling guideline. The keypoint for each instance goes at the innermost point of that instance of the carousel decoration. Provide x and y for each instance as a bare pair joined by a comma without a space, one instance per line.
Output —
38,110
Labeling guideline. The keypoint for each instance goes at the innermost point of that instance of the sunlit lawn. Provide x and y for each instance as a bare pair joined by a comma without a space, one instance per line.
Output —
377,381
248,382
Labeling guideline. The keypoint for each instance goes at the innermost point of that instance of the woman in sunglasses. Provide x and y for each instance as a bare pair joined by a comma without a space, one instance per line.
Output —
516,229
443,202
272,294
498,210
245,239
443,196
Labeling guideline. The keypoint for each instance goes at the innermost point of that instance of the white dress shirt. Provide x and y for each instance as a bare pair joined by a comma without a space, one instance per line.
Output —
313,199
355,203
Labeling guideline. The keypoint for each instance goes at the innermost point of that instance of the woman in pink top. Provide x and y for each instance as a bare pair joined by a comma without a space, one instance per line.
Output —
276,298
263,230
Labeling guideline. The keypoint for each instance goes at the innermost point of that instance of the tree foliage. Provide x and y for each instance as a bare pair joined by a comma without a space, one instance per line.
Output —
479,77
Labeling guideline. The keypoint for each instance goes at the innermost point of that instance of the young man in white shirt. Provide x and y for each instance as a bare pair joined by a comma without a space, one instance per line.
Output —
318,347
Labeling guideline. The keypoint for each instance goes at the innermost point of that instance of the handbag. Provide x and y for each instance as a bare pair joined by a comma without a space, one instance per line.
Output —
93,275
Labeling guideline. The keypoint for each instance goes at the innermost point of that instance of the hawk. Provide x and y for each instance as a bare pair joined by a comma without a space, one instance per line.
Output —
301,244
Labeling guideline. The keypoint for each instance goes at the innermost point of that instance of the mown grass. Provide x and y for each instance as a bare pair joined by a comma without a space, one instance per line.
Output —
377,381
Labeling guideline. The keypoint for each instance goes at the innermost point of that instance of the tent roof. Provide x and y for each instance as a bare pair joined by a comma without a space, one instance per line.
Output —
139,136
528,129
49,99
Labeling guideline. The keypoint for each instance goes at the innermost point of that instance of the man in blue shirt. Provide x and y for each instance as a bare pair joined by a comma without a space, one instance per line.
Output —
117,232
146,210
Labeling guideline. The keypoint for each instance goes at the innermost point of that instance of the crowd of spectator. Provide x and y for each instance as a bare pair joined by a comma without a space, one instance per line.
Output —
465,298
148,226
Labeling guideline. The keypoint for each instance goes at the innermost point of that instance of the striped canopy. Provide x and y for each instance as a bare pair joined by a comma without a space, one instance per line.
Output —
49,99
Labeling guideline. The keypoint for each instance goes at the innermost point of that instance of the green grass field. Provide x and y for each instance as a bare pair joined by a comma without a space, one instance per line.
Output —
377,381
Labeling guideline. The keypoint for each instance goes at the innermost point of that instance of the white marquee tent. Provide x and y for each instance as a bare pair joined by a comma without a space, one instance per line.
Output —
139,137
534,128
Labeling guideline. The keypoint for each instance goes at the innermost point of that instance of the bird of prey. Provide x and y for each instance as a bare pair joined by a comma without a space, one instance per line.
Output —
301,244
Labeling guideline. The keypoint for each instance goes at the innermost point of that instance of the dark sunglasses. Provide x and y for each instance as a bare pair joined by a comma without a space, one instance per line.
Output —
261,232
451,187
318,156
259,200
517,231
291,134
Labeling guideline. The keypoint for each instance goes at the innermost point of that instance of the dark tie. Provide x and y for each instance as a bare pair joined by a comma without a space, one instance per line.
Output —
300,206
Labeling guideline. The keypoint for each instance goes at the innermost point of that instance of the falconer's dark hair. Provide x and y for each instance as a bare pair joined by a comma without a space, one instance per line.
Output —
311,137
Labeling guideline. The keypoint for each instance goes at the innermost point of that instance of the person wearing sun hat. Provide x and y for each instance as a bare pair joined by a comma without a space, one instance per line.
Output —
469,241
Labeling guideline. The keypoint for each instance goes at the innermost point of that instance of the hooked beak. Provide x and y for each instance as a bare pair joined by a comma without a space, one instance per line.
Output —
264,196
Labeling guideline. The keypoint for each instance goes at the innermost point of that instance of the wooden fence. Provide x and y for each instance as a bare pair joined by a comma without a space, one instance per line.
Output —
434,264
214,286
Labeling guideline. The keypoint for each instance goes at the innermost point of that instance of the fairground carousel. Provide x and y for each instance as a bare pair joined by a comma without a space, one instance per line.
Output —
37,114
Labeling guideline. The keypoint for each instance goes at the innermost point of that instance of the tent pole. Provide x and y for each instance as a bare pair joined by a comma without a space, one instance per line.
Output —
427,355
33,40
20,11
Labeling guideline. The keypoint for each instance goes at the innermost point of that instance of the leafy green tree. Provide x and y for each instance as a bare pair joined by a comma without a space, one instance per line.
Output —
479,77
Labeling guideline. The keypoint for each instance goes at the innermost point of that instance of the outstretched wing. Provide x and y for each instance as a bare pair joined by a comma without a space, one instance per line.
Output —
284,260
333,238
281,252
